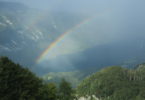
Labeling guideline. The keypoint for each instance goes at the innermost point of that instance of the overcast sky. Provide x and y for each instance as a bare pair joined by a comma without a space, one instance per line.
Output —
84,5
119,19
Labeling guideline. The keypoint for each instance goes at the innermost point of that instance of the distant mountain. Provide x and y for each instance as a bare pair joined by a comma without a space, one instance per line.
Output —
74,77
25,32
115,83
14,35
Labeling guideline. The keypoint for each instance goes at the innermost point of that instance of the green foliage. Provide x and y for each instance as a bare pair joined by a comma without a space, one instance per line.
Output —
57,76
48,92
115,83
111,83
17,83
65,91
74,77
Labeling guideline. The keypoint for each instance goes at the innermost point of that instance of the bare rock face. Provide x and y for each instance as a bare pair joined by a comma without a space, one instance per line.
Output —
89,98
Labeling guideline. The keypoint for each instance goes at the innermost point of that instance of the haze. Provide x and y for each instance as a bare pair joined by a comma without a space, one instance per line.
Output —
99,33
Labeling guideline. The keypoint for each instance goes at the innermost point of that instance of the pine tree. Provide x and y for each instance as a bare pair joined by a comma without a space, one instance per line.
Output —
65,91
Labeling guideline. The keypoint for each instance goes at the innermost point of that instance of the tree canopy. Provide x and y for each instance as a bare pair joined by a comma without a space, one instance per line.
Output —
115,83
18,83
65,92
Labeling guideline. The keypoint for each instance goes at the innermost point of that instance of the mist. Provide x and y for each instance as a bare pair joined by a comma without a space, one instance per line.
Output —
94,25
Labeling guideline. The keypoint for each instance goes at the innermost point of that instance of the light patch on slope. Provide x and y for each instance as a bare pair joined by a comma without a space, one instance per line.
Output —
40,33
54,25
7,20
32,34
49,78
14,42
36,35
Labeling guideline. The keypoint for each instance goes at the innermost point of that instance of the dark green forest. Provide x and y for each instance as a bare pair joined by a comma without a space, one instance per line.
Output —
18,83
110,83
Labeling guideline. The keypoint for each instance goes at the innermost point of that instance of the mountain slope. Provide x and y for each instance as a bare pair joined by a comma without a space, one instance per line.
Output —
25,33
115,83
24,30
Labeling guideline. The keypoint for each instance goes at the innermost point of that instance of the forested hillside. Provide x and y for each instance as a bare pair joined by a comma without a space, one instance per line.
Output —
115,83
17,83
111,83
72,50
74,77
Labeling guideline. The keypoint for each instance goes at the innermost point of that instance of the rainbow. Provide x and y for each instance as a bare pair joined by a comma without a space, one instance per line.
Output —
61,37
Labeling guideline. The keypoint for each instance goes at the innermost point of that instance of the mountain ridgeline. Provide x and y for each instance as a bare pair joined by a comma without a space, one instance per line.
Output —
69,48
115,83
18,83
110,83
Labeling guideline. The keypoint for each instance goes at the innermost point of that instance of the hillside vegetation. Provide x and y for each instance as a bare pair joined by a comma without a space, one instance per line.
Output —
18,83
74,77
115,83
111,83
